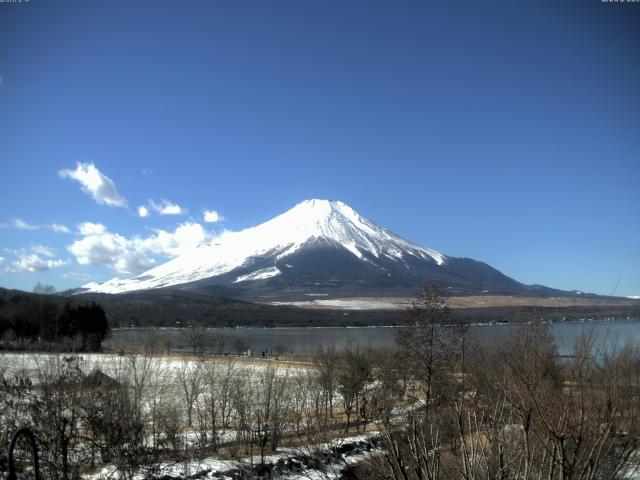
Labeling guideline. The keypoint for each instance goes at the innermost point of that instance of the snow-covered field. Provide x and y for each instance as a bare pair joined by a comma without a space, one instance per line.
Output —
353,303
287,464
34,364
164,377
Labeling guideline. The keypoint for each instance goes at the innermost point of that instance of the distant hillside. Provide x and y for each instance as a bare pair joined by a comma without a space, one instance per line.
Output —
174,307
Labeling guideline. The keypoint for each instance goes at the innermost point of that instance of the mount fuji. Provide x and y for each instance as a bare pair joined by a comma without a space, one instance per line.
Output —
319,248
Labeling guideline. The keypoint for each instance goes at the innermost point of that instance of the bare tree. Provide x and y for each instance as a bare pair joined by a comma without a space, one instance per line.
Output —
428,351
56,410
16,392
326,364
218,342
269,408
541,417
218,392
190,379
353,375
299,393
44,289
430,345
196,336
159,382
242,405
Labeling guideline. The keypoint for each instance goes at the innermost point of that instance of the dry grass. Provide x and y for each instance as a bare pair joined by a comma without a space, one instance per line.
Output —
479,301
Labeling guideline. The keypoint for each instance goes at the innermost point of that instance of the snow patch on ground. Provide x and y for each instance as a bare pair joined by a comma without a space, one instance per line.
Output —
350,304
33,365
214,467
259,274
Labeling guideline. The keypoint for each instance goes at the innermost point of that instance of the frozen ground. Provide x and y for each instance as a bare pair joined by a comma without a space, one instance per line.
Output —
288,464
469,301
353,303
34,364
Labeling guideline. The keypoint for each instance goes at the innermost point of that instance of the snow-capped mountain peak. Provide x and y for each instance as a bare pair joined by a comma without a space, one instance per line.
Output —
309,223
336,221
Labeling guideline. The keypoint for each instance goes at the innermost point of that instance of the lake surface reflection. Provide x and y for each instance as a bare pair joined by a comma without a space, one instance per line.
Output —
311,340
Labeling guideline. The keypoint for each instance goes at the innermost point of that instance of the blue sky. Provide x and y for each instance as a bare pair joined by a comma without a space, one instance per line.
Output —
508,132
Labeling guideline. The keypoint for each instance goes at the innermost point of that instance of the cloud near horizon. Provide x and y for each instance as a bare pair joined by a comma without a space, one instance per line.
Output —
35,259
93,182
130,256
35,263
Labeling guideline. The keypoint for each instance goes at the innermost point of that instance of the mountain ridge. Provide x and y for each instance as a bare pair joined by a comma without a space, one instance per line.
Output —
319,247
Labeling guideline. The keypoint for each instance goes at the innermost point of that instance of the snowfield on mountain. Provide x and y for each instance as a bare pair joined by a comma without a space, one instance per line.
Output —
319,247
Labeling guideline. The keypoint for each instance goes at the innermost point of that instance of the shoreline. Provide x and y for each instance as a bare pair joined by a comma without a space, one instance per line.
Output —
352,327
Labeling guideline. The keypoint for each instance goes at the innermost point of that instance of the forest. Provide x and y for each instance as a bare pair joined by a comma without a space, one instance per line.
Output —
45,322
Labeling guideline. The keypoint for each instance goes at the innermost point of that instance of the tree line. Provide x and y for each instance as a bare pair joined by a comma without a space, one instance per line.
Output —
38,321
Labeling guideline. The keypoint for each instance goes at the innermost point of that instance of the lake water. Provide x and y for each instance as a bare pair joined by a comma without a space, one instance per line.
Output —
312,340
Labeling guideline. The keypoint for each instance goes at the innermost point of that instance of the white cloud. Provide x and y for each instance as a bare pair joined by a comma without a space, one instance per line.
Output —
143,211
33,259
1,259
22,225
165,207
136,254
42,250
39,249
111,250
90,228
212,216
35,263
185,237
96,184
59,228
